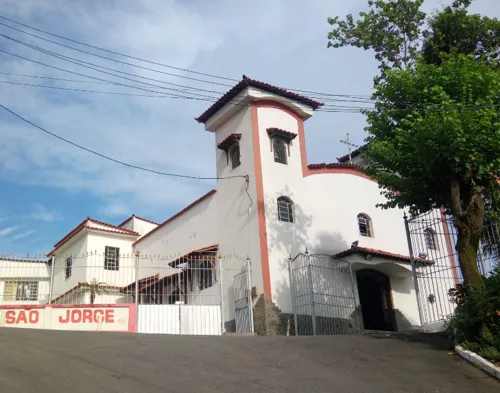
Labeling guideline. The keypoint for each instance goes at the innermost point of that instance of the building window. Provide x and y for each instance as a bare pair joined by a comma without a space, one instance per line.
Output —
69,267
285,209
23,290
430,239
206,275
112,258
280,151
365,225
234,156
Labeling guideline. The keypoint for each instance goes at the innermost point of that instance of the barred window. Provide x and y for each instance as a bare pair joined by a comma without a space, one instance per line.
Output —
285,209
430,239
24,290
112,258
280,151
365,225
69,267
234,156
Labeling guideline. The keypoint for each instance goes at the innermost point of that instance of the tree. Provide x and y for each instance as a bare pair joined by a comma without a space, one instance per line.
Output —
95,288
434,134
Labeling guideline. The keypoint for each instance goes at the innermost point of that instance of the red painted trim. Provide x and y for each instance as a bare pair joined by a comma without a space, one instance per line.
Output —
312,169
261,209
21,260
118,305
24,306
187,208
449,247
132,318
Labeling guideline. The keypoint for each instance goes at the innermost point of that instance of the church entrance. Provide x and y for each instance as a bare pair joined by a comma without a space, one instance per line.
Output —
374,290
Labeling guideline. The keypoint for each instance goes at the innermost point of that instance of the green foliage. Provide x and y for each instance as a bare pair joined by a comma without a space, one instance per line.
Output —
434,124
391,28
477,317
455,29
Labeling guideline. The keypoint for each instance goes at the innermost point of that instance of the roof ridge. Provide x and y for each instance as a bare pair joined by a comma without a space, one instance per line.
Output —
145,219
109,225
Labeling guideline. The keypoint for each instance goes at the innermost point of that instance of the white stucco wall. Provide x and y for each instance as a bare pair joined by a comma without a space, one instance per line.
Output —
141,227
238,231
20,271
96,244
76,248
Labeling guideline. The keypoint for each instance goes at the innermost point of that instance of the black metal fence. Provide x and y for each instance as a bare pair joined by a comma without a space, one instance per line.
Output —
433,237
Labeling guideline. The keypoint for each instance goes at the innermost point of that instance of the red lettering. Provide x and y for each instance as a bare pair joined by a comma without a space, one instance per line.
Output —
21,317
34,316
76,316
10,317
64,320
98,315
87,316
110,317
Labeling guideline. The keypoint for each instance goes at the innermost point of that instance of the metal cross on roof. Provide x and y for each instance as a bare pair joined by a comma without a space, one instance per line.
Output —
349,144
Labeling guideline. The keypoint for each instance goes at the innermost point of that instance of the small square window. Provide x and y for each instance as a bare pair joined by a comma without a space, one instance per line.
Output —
280,151
234,156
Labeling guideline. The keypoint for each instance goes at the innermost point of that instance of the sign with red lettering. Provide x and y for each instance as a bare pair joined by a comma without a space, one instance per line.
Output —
93,318
22,318
115,318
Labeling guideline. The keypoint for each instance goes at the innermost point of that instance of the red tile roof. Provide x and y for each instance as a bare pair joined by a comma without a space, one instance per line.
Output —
354,153
226,143
22,260
379,253
212,249
83,225
139,218
142,283
78,286
285,134
334,165
247,82
180,213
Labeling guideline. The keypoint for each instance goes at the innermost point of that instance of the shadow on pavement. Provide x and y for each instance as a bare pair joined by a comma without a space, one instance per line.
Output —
438,341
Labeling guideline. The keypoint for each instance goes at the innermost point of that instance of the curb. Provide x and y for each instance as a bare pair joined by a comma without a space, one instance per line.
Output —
479,362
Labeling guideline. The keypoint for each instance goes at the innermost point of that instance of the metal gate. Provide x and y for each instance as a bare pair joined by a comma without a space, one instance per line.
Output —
323,296
242,303
431,239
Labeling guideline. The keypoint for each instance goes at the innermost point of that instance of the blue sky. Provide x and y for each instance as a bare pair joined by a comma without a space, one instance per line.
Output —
48,187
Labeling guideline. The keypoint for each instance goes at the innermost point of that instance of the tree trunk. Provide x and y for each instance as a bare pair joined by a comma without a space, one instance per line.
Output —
468,208
467,248
92,297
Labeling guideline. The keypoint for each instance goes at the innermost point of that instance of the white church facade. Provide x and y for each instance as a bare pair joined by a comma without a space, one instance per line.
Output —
269,205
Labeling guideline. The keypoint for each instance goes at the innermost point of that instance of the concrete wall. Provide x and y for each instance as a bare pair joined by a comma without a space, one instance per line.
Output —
141,227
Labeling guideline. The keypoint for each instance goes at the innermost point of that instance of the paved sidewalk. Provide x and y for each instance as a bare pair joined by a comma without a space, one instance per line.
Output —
36,361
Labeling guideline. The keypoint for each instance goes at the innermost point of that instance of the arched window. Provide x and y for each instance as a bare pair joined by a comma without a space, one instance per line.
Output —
430,239
280,151
234,155
206,275
365,225
285,209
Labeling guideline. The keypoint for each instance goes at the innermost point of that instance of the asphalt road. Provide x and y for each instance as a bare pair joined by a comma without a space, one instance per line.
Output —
77,362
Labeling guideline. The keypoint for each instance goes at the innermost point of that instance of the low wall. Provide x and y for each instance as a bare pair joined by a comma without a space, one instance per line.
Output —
97,317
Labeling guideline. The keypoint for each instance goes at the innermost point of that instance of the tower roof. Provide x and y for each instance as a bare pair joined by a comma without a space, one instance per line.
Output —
247,82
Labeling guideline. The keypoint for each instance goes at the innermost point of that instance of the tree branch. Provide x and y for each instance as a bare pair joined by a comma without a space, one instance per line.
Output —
455,204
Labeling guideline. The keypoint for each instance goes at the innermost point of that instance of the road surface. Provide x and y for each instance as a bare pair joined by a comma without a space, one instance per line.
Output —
37,361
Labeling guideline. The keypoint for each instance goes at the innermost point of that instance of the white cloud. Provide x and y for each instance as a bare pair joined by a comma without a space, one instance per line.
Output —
284,44
7,231
41,213
23,235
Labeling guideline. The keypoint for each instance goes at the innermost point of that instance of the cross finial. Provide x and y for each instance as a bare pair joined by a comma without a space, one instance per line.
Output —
349,144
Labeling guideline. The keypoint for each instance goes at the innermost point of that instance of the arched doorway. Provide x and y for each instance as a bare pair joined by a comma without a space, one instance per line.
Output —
374,290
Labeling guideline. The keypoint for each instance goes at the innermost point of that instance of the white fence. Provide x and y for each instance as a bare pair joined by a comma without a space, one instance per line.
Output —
189,294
